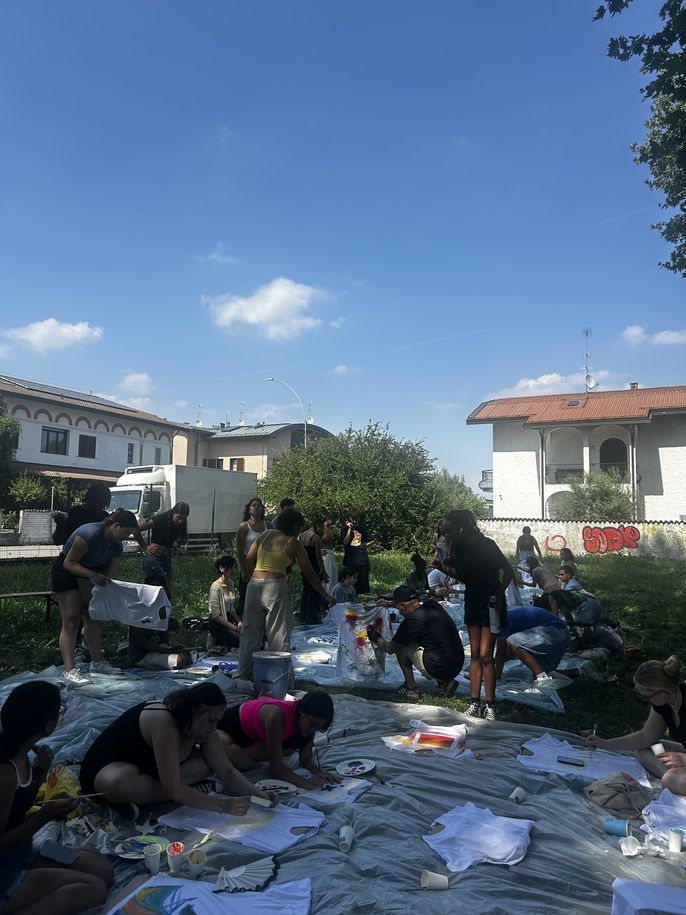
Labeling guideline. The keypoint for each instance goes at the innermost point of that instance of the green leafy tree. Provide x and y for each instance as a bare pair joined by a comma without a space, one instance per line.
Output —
10,430
663,60
29,491
596,497
392,481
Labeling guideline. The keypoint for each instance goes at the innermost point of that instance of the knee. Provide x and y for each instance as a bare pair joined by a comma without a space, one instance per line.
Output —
675,780
486,660
475,656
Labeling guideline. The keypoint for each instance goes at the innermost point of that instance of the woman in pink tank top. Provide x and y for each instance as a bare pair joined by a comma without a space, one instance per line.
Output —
270,729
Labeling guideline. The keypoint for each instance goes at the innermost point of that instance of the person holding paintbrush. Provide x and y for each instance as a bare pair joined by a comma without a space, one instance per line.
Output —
30,883
270,729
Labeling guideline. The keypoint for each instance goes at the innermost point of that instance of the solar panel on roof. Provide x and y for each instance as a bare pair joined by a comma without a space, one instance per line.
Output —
65,392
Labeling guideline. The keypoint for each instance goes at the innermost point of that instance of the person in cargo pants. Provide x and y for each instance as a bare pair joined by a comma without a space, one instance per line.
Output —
268,610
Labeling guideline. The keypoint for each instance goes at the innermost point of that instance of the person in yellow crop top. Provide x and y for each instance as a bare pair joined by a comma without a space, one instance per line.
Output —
268,609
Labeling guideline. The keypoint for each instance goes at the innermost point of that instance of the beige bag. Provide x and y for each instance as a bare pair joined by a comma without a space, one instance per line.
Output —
620,793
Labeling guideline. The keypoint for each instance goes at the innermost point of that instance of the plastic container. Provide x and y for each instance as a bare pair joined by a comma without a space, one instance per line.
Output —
270,673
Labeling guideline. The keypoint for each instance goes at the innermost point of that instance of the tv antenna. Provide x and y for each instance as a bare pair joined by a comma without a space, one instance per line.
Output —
198,421
589,380
241,420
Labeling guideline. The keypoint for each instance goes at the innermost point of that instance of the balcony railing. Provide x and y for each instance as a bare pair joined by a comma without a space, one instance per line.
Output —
563,473
486,481
621,468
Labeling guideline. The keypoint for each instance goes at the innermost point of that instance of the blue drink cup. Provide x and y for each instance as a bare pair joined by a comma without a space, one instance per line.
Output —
617,827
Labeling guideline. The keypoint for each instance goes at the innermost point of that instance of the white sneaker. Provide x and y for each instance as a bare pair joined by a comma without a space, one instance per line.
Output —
74,678
589,670
489,713
102,667
544,681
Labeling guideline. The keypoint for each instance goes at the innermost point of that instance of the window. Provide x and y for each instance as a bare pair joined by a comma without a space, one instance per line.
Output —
54,441
87,446
213,463
129,453
237,463
158,456
14,442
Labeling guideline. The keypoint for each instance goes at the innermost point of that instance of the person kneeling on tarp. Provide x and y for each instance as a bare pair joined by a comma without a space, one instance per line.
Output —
153,650
537,638
426,639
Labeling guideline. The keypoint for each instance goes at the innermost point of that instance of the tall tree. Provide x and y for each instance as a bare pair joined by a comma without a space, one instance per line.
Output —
596,497
10,430
663,60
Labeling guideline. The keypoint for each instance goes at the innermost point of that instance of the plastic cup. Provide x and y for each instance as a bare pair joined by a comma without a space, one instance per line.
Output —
175,857
617,827
345,838
518,795
196,862
676,838
428,880
152,854
657,748
629,846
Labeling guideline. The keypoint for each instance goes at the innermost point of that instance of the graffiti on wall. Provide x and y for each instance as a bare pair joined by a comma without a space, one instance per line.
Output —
555,542
610,539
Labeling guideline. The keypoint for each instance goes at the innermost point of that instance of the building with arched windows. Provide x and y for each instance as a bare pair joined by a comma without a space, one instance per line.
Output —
82,437
542,443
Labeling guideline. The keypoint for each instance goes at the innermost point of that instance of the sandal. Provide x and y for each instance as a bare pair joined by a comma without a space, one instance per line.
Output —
412,694
450,688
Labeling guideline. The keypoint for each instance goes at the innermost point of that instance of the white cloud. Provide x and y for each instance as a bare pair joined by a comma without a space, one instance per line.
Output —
634,335
139,403
225,133
277,309
554,383
340,369
443,406
136,383
181,403
220,254
337,322
669,337
274,413
52,334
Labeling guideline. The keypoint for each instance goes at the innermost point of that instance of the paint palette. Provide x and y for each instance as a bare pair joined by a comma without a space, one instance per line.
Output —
133,849
280,788
355,767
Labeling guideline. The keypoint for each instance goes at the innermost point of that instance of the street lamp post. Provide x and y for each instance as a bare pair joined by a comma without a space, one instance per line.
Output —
302,406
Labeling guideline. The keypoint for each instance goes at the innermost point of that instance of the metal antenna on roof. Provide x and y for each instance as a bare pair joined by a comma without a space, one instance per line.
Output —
241,420
309,412
589,380
198,421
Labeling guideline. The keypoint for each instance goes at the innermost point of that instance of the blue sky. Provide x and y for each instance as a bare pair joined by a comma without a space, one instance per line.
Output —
401,209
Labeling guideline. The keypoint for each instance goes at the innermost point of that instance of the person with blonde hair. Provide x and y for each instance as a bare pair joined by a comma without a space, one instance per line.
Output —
659,683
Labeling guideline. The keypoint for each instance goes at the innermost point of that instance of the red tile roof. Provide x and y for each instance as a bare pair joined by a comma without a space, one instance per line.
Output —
606,406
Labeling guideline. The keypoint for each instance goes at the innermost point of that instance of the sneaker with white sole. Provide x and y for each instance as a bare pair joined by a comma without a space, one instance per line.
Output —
489,714
544,681
74,678
590,671
473,710
102,667
208,786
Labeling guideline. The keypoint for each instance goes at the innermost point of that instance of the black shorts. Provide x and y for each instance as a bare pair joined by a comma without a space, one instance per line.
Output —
476,611
65,581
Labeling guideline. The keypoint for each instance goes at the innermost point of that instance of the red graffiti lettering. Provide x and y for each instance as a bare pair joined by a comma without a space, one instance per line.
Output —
610,539
555,542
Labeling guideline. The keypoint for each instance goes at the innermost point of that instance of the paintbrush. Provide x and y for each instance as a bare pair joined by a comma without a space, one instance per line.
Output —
595,730
319,765
80,797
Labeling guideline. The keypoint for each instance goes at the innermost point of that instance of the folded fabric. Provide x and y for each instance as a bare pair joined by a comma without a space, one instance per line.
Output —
424,738
345,793
270,830
632,897
590,764
164,893
474,835
145,606
665,811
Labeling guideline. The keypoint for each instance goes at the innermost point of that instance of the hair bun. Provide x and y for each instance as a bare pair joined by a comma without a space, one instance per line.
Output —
672,666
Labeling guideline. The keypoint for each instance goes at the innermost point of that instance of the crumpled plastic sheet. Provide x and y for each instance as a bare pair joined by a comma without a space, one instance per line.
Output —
570,865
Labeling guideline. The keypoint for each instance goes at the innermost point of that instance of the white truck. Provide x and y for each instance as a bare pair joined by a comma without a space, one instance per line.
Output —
216,498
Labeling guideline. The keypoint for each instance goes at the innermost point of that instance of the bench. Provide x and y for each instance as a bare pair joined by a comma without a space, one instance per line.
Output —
47,596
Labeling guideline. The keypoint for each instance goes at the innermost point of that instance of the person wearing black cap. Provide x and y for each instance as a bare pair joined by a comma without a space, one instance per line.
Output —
426,639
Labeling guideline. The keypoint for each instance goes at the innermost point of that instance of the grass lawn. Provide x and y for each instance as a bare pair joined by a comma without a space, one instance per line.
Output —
647,596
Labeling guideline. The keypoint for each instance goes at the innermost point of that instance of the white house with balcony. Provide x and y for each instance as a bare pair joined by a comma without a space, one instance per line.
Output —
80,436
541,443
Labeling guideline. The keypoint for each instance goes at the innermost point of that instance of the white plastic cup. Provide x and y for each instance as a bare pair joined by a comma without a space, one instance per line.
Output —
518,795
196,862
657,748
431,881
676,838
152,854
345,838
175,856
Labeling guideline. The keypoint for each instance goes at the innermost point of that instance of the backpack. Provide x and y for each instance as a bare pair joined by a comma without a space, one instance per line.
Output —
620,793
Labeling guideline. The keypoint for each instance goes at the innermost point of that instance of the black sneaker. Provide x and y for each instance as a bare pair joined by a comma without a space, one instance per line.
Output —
208,786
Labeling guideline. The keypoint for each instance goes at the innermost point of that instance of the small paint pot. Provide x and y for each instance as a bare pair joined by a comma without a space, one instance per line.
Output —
428,880
518,795
617,827
657,748
676,838
196,862
175,856
151,854
345,838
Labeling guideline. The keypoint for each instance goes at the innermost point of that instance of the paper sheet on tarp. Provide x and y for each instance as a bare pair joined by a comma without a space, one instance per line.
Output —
267,829
666,810
631,897
470,835
146,606
177,896
345,793
448,742
594,763
357,662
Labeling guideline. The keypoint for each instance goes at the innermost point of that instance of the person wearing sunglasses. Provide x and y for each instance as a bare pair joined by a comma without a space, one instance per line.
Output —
270,729
658,683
